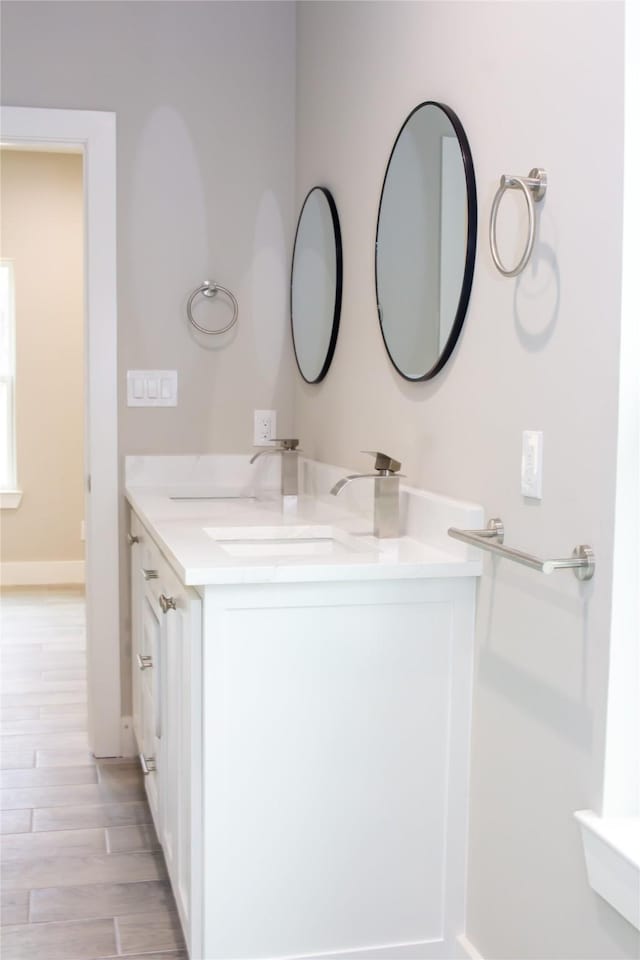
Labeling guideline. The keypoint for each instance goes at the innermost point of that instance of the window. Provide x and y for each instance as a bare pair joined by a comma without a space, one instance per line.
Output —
8,479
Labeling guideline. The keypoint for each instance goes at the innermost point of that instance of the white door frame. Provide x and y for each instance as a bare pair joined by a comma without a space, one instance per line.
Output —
95,133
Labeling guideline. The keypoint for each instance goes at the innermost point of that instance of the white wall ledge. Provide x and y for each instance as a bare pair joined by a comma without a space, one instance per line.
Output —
612,855
10,499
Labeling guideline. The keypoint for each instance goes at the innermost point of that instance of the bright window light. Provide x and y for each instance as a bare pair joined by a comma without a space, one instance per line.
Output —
8,479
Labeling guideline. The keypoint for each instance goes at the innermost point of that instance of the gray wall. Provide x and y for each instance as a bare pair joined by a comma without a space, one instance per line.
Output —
534,85
204,97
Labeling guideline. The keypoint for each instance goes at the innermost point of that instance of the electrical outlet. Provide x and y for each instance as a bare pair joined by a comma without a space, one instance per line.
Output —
83,531
264,427
531,466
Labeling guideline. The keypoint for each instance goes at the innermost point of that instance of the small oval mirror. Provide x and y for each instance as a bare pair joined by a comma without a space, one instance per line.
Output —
316,284
426,241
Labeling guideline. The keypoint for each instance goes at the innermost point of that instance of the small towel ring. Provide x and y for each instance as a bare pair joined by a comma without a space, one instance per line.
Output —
209,288
534,187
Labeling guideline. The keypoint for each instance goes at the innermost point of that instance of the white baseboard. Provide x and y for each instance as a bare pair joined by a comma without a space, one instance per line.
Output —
422,950
466,950
127,737
41,573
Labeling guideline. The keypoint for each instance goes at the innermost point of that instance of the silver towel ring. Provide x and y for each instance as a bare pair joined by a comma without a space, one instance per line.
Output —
209,288
534,187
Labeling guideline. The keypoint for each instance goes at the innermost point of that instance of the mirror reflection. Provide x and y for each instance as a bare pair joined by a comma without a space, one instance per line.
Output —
425,241
316,284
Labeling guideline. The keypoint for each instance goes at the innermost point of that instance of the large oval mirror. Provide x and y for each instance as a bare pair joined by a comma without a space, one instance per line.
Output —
316,284
426,241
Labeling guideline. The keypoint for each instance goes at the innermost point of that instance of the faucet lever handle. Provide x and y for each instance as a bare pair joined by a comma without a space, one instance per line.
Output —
383,461
288,443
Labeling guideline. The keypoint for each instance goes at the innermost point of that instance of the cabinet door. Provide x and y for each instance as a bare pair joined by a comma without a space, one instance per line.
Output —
151,705
180,680
137,593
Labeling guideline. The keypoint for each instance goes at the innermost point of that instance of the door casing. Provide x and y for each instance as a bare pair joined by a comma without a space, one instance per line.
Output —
95,133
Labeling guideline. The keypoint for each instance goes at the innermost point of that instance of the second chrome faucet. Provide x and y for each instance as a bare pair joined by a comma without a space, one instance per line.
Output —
386,493
289,474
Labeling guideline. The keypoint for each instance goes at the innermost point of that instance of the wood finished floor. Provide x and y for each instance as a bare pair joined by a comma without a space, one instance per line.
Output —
82,876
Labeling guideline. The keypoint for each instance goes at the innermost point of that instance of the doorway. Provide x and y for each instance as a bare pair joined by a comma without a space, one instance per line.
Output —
42,328
93,133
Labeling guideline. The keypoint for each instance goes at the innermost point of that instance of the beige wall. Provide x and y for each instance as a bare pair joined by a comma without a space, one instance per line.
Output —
42,232
534,84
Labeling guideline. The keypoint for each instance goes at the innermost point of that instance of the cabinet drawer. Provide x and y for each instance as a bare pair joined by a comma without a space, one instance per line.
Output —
148,559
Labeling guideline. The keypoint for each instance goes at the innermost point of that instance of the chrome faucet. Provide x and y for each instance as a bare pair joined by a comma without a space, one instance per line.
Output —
386,493
289,475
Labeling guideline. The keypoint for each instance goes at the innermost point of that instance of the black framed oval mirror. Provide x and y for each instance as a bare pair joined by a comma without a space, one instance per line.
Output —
316,284
426,241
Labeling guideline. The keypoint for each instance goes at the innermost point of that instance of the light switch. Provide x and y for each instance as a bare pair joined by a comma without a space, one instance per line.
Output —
152,388
531,466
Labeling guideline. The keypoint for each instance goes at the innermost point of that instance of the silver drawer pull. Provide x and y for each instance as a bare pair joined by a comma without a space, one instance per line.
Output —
150,574
131,539
166,603
148,764
144,661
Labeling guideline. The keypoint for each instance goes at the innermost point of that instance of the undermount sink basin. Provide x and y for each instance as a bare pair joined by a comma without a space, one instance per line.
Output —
295,542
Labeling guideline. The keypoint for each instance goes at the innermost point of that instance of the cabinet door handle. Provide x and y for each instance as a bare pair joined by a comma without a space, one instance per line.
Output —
131,539
144,661
150,574
148,764
166,603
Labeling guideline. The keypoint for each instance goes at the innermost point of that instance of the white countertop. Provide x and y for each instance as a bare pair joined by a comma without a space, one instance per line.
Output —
179,527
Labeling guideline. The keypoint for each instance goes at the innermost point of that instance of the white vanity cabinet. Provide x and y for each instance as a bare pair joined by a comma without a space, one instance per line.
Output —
309,724
166,651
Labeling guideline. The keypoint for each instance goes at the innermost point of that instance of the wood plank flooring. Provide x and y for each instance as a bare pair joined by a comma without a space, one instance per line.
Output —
82,875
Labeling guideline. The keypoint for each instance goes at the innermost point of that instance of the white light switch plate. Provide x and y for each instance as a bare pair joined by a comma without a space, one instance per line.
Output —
531,467
152,388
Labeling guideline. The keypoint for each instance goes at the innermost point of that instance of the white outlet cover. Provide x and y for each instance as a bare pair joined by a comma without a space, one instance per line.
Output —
264,428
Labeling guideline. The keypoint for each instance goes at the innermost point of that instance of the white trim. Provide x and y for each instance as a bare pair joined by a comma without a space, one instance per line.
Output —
621,787
41,572
95,132
612,856
10,499
416,950
465,950
9,477
612,841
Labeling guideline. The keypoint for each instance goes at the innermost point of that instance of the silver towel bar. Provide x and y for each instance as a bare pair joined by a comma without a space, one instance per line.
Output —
583,561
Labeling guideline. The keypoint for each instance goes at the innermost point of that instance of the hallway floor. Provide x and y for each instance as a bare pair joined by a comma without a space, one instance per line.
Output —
82,874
